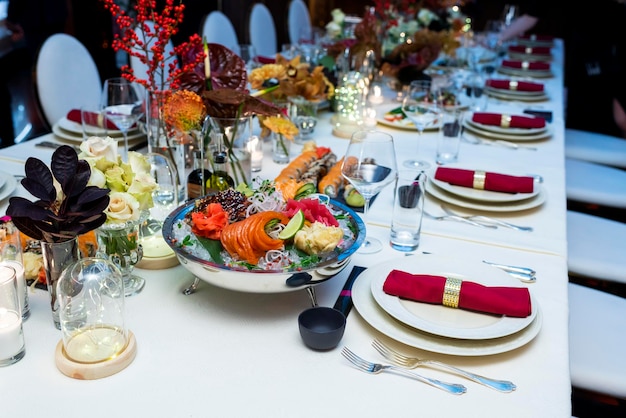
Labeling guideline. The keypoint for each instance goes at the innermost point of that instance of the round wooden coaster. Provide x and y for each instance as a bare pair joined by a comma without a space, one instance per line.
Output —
95,370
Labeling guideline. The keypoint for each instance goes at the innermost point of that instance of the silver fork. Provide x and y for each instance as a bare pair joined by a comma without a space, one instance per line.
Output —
413,362
487,219
375,368
459,219
479,141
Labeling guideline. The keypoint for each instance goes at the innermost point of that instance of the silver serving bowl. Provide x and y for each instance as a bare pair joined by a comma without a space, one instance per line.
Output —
263,281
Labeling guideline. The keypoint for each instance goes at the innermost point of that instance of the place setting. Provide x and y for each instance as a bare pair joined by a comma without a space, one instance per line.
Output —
483,190
418,303
529,53
534,69
517,128
71,127
525,91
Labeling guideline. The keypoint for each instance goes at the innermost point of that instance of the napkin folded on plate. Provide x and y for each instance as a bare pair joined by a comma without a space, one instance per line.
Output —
93,119
265,60
535,50
533,66
494,182
498,300
514,85
508,121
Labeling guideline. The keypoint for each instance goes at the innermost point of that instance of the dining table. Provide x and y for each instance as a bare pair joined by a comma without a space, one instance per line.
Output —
229,353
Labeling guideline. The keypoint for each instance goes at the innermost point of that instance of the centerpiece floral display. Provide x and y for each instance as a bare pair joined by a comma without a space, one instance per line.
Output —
130,186
67,207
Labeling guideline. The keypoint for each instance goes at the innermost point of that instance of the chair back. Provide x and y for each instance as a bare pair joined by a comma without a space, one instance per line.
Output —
262,31
140,69
218,29
299,22
66,77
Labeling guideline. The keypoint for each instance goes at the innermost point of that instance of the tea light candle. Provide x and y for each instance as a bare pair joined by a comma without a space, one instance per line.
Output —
21,282
255,148
11,339
376,94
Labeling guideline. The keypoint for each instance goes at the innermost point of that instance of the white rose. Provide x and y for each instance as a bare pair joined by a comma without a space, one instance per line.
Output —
139,163
141,188
123,207
97,178
96,147
333,30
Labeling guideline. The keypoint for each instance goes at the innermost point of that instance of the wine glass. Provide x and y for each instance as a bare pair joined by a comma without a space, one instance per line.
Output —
419,106
370,165
122,105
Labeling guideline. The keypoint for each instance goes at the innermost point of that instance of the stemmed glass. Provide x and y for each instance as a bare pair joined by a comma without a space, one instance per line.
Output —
122,105
422,110
370,165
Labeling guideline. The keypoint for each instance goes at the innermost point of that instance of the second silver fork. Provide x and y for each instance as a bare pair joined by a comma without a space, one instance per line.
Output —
413,362
487,219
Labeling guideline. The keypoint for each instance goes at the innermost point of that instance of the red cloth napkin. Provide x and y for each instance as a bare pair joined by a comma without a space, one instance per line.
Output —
494,182
536,50
540,38
495,119
520,86
93,119
536,66
265,60
498,300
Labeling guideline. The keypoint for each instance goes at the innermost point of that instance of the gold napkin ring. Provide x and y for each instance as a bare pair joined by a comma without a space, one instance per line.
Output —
525,65
479,180
505,121
513,85
529,50
451,292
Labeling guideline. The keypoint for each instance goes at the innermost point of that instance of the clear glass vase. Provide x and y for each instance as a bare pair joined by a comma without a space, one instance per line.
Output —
56,257
280,148
119,242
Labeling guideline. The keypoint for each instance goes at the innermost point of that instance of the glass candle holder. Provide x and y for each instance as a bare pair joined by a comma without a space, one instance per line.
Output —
12,347
11,255
95,340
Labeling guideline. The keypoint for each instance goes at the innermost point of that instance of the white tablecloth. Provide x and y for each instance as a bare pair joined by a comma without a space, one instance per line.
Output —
223,353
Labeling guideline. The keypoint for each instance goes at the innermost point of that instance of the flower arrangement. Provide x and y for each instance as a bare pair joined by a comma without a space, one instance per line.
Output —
291,78
283,128
67,205
130,184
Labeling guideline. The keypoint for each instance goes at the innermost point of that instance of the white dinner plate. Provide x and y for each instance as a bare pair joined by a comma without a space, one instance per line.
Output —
482,195
505,95
520,56
526,73
507,131
495,135
9,183
77,129
56,129
516,92
374,315
444,196
442,320
531,43
404,123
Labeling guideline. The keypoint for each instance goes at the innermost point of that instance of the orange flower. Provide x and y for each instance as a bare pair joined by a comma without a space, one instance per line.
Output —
184,110
281,126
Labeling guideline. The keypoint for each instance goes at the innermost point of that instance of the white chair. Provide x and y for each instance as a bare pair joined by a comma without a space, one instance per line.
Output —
595,183
66,77
140,69
262,31
299,21
595,148
596,247
218,29
596,341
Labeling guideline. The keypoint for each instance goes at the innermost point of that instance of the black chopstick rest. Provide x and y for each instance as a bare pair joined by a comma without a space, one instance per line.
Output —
344,301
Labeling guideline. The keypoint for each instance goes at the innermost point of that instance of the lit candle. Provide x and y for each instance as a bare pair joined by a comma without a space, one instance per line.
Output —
376,94
11,338
255,148
21,282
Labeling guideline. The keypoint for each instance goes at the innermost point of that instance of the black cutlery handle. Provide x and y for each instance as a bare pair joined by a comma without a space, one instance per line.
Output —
344,301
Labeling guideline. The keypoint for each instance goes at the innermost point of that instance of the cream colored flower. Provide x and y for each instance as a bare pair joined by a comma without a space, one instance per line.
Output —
97,178
123,207
96,147
141,188
338,16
